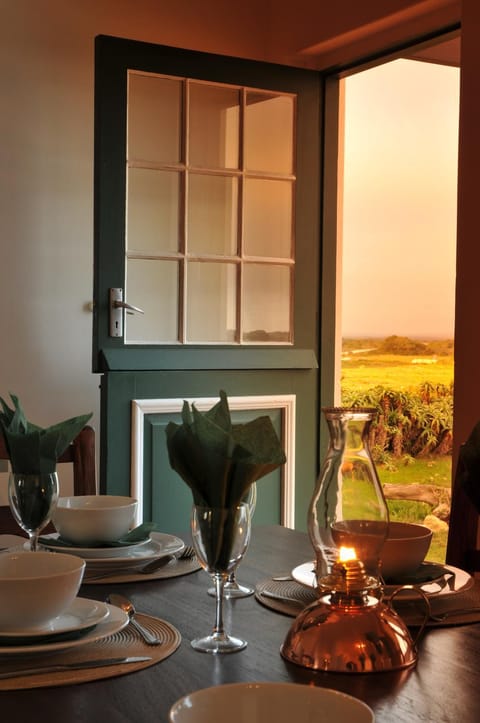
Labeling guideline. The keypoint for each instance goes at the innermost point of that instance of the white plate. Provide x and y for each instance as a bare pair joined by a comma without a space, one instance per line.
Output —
81,614
459,581
115,620
160,545
95,553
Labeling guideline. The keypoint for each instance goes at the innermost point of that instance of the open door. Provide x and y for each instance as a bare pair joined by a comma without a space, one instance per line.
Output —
207,208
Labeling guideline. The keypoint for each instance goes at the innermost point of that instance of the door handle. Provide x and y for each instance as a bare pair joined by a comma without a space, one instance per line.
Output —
117,308
128,307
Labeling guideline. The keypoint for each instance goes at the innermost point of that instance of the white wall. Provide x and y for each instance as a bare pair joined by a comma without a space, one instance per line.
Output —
46,182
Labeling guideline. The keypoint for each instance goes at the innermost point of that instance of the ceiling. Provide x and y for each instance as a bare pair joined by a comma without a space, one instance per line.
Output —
446,53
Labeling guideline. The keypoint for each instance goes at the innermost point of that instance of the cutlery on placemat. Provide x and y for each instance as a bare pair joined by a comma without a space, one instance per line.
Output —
80,665
188,553
127,606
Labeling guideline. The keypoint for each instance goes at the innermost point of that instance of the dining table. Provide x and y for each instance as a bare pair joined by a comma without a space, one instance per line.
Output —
441,687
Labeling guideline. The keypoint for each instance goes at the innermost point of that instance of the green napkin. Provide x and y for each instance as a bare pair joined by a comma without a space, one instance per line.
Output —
219,460
138,534
32,449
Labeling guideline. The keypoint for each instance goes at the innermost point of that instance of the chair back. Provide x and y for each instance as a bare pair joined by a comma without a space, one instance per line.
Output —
80,453
463,548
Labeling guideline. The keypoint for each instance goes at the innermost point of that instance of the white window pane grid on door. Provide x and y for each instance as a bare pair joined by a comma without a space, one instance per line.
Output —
212,214
211,312
266,308
197,215
154,284
153,211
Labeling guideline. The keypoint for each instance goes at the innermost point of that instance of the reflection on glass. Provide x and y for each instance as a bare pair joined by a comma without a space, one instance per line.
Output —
268,218
211,302
212,214
266,303
152,285
269,132
152,210
214,114
154,118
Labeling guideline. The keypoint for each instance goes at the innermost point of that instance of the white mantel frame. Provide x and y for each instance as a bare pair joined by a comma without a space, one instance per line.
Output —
285,402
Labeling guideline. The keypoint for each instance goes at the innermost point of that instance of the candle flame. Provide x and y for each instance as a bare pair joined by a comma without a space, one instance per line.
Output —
347,553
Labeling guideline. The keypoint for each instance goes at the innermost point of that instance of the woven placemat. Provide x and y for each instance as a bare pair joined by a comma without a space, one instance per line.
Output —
290,598
173,568
126,642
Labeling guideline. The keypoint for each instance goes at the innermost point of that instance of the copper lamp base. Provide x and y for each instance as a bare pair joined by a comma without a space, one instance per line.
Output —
348,630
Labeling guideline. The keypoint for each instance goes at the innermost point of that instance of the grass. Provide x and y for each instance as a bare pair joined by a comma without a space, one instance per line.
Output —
361,372
436,471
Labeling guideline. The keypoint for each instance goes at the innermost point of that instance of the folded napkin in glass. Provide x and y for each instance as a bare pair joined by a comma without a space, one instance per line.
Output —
33,449
219,460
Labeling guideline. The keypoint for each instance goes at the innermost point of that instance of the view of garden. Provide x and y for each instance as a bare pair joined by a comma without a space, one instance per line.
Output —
410,383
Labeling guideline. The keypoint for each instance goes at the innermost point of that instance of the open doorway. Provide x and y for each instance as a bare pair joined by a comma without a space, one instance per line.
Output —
398,174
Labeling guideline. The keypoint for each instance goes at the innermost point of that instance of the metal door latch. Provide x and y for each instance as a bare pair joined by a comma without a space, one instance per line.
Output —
117,308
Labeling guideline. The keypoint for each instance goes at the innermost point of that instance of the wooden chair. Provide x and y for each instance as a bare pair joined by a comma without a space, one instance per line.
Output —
80,453
462,546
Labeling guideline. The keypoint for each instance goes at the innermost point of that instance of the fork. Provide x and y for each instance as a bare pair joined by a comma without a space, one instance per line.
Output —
188,553
440,617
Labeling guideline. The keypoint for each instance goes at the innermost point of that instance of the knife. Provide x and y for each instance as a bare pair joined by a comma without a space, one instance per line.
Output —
80,665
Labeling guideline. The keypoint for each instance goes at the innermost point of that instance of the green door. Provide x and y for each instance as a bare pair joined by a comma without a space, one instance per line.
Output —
207,189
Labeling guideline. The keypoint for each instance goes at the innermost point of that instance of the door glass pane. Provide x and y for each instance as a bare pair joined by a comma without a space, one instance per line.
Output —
211,302
266,297
212,214
152,286
152,210
214,121
269,132
268,218
154,118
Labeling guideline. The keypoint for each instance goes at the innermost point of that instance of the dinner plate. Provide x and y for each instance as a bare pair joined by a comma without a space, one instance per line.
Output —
115,620
82,614
452,582
159,545
95,553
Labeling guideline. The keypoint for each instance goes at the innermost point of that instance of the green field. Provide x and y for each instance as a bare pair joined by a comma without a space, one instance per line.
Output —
365,370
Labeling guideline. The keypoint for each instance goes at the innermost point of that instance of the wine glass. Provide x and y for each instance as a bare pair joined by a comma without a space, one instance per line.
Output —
220,537
233,589
32,499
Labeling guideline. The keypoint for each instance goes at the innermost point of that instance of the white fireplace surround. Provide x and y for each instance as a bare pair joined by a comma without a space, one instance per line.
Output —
286,403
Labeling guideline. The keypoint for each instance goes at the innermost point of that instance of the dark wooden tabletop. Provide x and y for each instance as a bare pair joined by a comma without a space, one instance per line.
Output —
444,686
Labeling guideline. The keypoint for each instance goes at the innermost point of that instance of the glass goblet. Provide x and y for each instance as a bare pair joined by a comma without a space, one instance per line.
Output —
232,588
220,537
32,499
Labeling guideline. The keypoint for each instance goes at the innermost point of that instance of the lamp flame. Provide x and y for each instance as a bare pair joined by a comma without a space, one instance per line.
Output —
347,553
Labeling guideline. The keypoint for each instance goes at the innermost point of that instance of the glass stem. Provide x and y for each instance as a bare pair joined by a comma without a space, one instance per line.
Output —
219,580
34,541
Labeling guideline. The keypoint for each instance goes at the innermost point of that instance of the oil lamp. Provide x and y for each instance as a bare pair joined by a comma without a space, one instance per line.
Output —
349,628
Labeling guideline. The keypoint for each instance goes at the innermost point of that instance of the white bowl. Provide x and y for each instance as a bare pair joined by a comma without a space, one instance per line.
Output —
404,549
88,519
260,702
36,587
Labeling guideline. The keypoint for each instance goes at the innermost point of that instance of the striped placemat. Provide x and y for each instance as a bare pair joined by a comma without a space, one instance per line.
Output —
290,598
127,642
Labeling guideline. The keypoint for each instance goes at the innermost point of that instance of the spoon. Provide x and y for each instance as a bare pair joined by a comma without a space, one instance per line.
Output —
127,606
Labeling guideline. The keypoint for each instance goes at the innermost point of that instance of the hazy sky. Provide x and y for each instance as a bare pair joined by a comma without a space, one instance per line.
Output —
399,225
